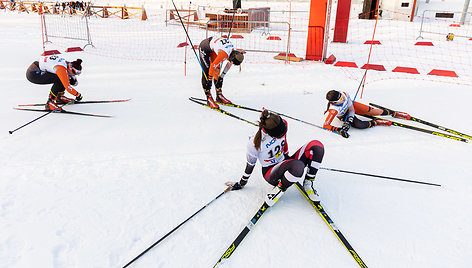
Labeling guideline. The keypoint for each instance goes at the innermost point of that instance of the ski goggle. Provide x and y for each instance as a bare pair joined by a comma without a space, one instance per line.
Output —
74,70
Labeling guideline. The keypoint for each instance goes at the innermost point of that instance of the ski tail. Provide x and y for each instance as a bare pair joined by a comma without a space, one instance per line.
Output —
79,102
61,112
432,132
242,235
448,130
221,111
319,208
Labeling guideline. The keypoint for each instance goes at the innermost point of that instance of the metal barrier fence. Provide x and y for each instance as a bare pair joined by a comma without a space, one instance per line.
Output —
439,27
269,37
66,27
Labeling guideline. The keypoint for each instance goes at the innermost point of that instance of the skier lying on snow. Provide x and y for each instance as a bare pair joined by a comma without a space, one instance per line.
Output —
341,106
59,72
269,145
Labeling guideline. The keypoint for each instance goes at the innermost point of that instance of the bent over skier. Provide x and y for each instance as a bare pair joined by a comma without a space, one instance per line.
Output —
341,106
213,52
59,72
269,145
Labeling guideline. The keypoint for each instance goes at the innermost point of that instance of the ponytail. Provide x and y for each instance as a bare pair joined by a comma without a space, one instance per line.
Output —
327,107
262,122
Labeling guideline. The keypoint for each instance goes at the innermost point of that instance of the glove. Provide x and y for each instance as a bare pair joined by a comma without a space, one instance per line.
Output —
78,97
219,82
344,133
234,185
207,83
346,126
73,81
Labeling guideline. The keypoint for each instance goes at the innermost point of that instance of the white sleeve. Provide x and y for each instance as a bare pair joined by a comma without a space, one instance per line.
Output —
252,154
226,69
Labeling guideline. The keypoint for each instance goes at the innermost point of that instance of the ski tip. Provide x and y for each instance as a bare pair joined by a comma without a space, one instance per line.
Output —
9,131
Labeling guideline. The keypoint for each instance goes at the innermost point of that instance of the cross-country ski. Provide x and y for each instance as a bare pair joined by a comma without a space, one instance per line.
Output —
61,112
78,102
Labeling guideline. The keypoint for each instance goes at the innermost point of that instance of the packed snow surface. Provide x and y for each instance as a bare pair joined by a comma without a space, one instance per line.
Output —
80,191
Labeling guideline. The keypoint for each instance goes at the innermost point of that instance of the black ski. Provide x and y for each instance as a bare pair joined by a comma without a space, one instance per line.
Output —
333,227
79,102
231,105
432,132
257,110
430,124
61,112
203,103
243,234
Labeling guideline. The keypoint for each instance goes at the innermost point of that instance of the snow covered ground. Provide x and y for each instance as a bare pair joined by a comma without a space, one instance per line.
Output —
95,192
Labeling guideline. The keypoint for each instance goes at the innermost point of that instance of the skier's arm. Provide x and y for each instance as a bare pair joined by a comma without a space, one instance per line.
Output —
226,69
247,173
61,72
327,124
250,164
216,63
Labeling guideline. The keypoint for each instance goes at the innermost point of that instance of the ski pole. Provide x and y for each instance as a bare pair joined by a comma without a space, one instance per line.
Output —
379,176
177,227
305,122
281,114
11,131
190,40
360,84
231,25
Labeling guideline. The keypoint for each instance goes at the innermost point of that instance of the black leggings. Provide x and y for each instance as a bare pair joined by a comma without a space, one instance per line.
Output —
360,123
309,155
357,123
35,76
205,61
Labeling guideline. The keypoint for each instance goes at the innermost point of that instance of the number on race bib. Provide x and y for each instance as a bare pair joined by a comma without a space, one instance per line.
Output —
277,150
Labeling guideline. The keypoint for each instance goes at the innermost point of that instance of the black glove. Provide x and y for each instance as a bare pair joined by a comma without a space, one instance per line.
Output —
207,83
344,133
78,97
73,81
219,83
234,185
346,126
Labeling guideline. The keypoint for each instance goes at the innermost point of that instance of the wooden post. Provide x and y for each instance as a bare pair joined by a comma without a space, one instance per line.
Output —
124,13
143,14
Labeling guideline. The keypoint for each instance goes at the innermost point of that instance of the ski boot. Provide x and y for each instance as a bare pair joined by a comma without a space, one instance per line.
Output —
52,105
61,99
221,99
309,190
211,102
381,122
401,115
274,195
